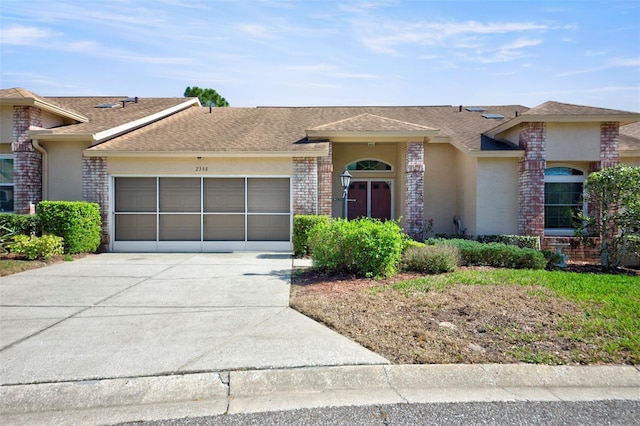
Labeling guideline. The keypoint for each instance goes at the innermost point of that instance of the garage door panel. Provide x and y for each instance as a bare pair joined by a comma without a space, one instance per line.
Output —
268,195
135,194
136,227
268,228
179,227
224,227
224,195
179,195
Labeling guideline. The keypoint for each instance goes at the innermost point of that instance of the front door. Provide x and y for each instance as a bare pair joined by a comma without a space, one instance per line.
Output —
370,199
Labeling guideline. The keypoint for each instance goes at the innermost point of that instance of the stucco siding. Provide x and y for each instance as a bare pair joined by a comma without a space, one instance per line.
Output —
5,148
64,169
573,142
6,123
50,120
440,184
630,161
276,166
497,196
466,193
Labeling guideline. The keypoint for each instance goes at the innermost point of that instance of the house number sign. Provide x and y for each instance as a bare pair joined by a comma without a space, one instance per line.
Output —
202,169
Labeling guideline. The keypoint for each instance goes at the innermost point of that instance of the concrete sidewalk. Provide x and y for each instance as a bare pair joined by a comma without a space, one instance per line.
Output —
123,337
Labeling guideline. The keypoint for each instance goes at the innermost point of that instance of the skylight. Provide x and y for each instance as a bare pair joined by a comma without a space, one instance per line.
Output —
475,109
495,116
107,105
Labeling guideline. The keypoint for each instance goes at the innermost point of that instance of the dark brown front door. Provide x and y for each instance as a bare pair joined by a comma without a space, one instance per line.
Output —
371,199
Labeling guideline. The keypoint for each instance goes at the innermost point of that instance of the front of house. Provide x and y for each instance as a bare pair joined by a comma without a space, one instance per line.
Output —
170,175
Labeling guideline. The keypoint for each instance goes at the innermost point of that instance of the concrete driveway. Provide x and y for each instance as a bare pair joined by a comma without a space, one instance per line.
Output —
134,315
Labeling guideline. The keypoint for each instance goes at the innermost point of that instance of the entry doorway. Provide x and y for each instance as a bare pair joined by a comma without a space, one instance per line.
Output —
372,198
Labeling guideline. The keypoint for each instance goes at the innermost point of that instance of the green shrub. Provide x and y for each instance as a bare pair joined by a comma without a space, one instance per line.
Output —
26,224
431,259
302,224
495,254
78,223
522,241
365,247
44,247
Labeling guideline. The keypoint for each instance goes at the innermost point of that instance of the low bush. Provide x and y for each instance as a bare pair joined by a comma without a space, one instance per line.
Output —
78,223
431,259
495,254
364,247
522,241
33,247
302,224
17,224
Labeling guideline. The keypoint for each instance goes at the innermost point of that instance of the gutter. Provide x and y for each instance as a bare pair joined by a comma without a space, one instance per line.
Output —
207,154
45,167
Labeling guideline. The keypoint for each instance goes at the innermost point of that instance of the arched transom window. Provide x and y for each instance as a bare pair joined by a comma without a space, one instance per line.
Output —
563,189
369,165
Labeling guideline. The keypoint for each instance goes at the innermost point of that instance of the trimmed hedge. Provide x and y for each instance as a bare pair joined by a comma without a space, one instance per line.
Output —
431,259
495,254
26,224
364,247
522,241
302,224
78,223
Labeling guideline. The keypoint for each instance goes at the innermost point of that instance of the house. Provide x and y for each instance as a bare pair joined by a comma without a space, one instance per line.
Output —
171,175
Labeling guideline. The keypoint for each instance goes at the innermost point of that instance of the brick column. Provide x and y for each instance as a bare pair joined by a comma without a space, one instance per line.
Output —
609,144
325,179
531,179
305,185
95,189
414,187
27,162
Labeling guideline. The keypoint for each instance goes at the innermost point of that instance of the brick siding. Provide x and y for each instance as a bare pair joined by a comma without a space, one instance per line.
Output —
305,185
531,179
95,189
576,250
609,144
27,162
325,190
414,187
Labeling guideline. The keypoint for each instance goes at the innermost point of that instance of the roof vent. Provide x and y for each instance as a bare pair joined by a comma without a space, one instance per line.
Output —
129,100
475,109
494,116
107,105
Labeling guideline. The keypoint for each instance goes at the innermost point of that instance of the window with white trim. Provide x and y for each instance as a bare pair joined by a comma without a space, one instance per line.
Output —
6,183
563,199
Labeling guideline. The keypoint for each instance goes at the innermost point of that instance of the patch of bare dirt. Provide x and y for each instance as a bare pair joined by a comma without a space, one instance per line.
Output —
460,324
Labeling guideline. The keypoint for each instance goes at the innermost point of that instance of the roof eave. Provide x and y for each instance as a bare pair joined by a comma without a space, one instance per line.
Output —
39,103
205,154
370,135
623,119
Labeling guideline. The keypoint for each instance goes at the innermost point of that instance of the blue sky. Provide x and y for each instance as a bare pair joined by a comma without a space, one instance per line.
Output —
342,52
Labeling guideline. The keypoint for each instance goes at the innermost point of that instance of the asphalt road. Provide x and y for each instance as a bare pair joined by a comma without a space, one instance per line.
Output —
625,413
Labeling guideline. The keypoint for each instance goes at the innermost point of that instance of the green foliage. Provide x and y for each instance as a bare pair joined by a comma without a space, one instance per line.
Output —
302,224
553,259
613,195
522,241
364,247
44,247
495,254
206,96
431,259
20,223
78,223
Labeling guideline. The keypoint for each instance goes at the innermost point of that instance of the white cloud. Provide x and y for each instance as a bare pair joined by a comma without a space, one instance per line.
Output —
613,63
22,35
256,30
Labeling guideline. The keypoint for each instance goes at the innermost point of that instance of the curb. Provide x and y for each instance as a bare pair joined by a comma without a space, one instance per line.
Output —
218,393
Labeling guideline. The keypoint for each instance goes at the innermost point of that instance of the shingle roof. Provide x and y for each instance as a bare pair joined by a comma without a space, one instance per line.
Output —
559,108
372,123
630,137
283,129
19,95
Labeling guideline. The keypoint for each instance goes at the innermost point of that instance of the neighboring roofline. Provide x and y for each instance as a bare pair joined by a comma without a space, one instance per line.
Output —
204,154
326,134
599,118
42,104
49,135
629,153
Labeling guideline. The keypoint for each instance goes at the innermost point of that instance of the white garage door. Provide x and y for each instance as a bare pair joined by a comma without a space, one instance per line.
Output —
196,214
